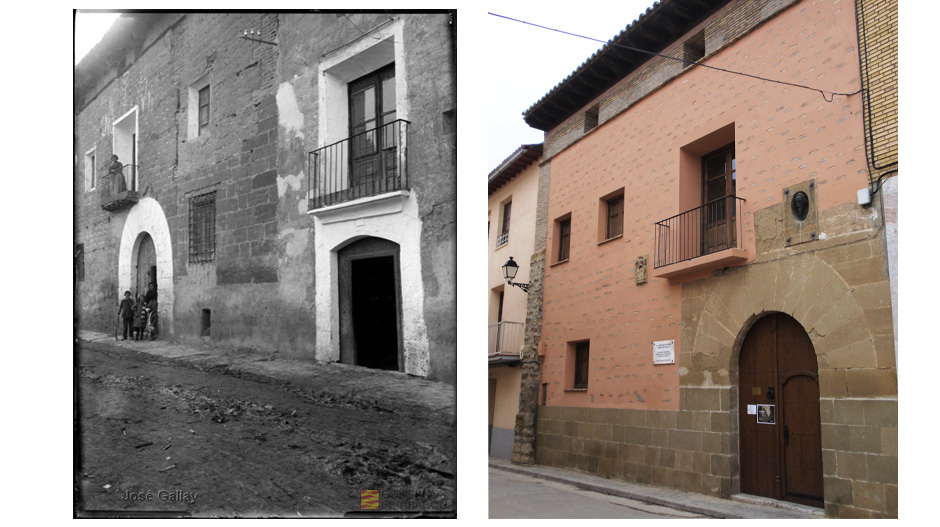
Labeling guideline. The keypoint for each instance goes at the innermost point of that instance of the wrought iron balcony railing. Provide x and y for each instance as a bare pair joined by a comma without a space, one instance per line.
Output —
505,338
364,165
119,190
712,227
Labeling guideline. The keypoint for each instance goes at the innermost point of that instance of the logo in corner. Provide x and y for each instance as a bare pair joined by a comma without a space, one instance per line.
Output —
368,499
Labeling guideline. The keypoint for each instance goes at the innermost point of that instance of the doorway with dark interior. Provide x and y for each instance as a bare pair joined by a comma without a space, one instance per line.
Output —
370,304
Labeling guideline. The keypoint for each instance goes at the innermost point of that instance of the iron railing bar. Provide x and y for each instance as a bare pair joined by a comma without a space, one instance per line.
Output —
359,134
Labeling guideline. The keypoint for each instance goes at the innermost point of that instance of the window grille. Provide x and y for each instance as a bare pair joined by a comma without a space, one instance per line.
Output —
202,228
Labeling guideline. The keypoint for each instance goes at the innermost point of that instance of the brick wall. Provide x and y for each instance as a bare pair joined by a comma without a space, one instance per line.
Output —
878,20
721,30
676,425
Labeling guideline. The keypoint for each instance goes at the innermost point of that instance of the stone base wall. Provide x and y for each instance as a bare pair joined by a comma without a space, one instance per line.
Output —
838,289
688,450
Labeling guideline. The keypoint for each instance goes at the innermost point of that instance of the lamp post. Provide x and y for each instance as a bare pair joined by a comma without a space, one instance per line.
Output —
510,269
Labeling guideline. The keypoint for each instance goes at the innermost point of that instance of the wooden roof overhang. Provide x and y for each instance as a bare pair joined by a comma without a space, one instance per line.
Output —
654,30
524,156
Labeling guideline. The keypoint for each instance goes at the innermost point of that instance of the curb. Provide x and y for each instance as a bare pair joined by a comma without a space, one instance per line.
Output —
739,507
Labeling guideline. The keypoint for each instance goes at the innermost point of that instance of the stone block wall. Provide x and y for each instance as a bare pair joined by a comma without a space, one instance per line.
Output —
257,285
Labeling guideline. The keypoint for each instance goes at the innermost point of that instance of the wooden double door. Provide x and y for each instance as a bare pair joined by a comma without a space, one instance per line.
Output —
780,432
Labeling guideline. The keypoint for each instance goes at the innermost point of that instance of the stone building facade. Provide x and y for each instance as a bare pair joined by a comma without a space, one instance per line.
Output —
715,312
223,123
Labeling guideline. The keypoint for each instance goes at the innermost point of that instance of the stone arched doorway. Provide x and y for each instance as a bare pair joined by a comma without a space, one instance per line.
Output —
146,246
370,304
778,412
145,267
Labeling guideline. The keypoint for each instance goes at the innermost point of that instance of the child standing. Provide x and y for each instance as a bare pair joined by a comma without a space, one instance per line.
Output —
126,312
140,317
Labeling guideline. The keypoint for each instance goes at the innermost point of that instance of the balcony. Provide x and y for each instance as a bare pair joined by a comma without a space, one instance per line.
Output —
365,165
702,239
505,341
118,191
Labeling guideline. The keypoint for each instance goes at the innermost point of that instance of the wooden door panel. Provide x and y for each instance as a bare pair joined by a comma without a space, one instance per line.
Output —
758,447
783,460
802,450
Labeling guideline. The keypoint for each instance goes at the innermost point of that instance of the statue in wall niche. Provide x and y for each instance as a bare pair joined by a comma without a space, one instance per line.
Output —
640,270
116,173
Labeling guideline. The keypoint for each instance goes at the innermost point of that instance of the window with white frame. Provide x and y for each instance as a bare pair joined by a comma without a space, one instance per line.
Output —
199,108
91,166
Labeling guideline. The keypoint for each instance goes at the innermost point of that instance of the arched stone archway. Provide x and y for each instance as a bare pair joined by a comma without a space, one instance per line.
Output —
804,287
718,313
146,218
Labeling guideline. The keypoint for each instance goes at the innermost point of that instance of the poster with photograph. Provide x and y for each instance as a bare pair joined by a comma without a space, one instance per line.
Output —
765,414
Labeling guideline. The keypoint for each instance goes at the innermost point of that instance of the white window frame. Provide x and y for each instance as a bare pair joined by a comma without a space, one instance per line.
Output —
192,124
379,48
123,152
91,174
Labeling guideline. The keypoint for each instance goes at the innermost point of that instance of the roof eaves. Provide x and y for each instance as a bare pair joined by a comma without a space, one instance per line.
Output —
512,165
597,54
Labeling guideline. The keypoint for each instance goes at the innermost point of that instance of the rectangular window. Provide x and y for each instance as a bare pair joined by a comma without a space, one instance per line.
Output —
204,110
614,217
591,118
79,262
504,231
581,356
693,49
202,228
373,107
564,239
91,165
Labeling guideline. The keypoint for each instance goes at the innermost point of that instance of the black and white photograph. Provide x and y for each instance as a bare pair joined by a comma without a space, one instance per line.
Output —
265,244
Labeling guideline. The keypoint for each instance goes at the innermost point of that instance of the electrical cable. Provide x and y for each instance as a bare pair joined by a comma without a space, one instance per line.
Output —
863,62
690,62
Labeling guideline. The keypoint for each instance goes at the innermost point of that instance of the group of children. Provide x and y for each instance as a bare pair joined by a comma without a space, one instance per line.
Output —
139,316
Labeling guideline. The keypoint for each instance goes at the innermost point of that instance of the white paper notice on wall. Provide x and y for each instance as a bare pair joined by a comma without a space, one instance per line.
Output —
752,409
664,352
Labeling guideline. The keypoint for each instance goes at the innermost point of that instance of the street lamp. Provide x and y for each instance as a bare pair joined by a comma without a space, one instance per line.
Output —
510,269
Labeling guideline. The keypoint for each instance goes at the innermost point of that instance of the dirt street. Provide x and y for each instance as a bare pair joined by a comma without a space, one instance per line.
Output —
156,435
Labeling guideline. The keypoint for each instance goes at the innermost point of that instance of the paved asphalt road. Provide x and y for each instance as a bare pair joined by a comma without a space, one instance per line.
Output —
521,496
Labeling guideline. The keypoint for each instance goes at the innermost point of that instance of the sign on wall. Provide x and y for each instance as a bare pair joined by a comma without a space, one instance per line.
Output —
664,352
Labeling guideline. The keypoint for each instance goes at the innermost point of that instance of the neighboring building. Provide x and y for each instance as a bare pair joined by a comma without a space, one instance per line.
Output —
513,189
716,301
289,182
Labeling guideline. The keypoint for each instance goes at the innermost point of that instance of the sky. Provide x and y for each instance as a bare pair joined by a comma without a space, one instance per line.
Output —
89,28
524,62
